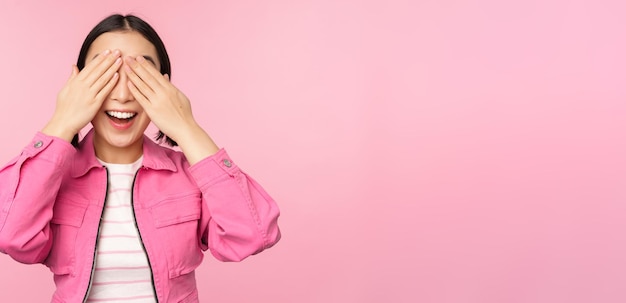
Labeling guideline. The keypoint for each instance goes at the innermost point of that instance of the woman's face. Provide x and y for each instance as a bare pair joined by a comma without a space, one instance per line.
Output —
120,124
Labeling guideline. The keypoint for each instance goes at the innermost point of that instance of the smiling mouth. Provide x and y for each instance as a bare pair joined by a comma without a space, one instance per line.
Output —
121,117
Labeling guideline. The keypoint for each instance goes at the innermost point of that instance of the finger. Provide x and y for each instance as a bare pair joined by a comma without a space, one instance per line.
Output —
149,66
102,67
90,66
139,97
73,74
108,74
106,90
75,71
146,71
139,83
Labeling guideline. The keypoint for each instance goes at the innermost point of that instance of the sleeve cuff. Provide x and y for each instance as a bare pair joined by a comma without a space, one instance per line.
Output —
212,168
56,149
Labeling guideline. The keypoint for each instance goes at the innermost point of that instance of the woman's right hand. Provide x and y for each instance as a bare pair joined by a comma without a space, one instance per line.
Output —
83,94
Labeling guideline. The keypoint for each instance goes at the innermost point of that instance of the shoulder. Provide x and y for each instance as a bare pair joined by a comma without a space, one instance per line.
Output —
176,156
160,157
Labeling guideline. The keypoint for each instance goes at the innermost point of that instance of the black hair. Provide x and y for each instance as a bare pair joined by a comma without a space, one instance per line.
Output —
117,23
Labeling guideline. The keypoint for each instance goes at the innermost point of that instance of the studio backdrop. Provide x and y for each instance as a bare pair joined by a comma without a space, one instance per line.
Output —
420,151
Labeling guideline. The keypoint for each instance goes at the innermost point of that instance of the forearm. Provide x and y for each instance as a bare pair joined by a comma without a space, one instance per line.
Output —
59,130
195,143
30,184
243,217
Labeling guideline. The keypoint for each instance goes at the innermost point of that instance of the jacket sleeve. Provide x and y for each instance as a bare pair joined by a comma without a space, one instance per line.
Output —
239,218
28,187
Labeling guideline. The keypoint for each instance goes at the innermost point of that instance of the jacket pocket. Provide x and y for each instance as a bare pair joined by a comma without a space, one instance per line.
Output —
67,218
176,219
191,298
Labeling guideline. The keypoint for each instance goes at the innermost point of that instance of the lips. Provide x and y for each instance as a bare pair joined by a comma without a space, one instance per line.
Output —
121,115
121,119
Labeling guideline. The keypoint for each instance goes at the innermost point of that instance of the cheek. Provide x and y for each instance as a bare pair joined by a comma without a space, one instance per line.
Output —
145,120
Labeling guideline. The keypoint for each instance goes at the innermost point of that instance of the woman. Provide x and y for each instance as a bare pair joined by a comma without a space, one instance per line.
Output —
117,217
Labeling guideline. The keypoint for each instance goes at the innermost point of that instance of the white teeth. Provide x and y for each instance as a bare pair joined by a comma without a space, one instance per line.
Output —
121,115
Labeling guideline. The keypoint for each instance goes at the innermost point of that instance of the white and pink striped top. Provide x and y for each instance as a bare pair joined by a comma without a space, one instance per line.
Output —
122,273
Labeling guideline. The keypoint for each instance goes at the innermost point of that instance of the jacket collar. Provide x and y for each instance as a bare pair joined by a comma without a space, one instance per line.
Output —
154,156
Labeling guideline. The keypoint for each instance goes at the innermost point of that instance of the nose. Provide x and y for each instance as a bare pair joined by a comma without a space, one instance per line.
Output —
121,92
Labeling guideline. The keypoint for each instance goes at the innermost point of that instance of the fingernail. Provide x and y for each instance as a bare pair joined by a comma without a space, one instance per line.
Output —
140,59
106,52
118,60
116,52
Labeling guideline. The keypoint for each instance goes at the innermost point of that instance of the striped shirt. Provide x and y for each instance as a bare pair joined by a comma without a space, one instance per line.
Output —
122,273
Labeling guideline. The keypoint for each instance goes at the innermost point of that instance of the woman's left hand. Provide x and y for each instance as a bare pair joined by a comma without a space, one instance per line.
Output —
168,108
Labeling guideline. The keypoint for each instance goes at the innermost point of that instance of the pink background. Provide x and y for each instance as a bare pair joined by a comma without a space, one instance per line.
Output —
421,151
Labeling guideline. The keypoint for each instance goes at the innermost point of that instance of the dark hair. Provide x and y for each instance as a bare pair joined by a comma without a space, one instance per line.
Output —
117,23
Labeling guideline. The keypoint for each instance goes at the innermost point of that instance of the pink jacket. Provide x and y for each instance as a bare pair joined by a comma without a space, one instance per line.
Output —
52,196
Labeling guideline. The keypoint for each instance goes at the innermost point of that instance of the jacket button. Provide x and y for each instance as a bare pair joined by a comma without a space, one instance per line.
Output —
38,144
227,163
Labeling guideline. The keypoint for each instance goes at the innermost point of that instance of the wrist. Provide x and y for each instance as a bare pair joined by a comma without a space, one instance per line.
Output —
196,144
184,132
57,130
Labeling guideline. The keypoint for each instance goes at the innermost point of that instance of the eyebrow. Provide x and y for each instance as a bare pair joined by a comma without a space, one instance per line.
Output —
145,57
